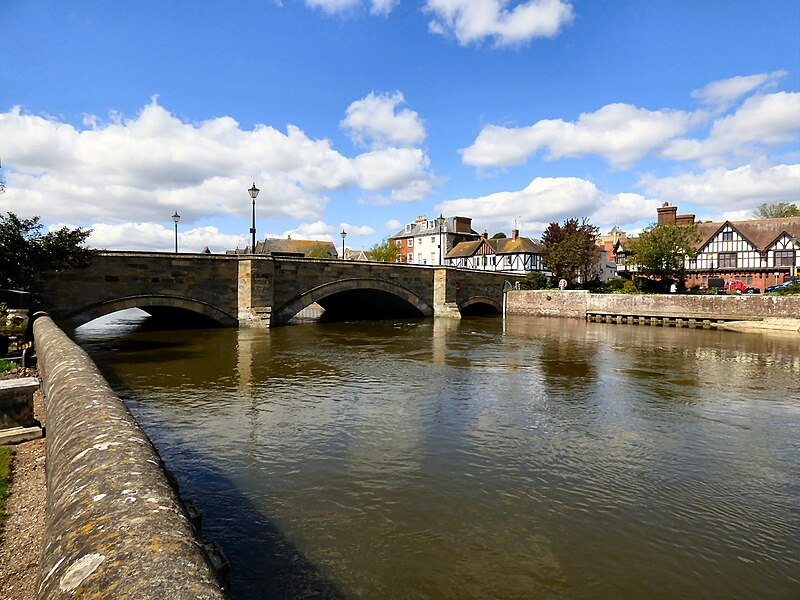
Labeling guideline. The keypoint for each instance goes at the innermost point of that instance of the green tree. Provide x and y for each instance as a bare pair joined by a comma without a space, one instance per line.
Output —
25,251
386,251
534,281
661,250
318,252
499,236
570,250
778,210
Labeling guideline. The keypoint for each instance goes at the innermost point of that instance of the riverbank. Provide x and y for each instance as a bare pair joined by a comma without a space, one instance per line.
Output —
771,325
23,533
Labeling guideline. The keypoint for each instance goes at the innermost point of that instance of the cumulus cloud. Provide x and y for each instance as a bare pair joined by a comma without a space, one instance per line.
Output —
375,122
741,188
546,200
141,169
762,120
357,229
156,237
376,7
622,133
393,225
724,92
472,21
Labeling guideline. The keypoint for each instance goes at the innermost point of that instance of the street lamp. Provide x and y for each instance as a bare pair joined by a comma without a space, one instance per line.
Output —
440,221
344,235
176,217
253,191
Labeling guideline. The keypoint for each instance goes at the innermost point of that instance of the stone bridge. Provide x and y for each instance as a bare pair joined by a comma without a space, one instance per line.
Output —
264,291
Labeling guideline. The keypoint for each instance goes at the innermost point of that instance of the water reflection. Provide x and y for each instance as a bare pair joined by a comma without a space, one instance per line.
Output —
476,458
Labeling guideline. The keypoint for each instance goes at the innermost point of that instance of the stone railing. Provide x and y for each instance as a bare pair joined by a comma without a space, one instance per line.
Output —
115,527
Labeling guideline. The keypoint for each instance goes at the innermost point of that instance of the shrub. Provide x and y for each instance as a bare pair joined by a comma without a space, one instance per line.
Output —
534,281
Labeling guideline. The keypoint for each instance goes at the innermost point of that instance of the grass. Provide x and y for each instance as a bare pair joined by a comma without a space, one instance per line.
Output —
6,454
6,365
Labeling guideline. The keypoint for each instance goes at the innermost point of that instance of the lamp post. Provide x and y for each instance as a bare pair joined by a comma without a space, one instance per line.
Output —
344,235
176,217
440,221
253,191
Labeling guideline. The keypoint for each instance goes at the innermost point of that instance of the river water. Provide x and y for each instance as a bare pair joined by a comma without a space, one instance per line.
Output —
481,458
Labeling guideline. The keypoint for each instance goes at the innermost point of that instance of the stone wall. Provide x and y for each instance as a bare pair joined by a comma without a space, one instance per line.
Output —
547,303
576,304
115,527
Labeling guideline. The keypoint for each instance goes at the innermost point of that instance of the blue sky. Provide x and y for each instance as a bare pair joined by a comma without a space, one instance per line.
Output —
364,114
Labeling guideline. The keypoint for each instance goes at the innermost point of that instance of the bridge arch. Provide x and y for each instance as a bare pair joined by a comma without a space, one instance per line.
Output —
145,302
395,295
479,305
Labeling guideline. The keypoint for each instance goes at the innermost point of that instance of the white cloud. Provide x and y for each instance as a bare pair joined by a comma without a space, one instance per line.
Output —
318,230
622,133
472,21
375,122
767,120
357,229
736,189
724,92
144,168
393,225
157,238
377,7
546,200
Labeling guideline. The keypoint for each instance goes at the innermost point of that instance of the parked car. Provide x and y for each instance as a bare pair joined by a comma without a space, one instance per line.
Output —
785,284
735,286
752,290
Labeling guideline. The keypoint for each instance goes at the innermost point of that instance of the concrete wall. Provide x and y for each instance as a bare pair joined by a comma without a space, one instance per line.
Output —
115,528
576,304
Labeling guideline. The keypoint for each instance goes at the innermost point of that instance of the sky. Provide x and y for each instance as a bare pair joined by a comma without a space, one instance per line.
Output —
360,115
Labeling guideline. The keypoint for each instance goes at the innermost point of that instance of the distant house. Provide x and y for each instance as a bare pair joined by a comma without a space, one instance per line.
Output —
424,242
363,255
758,252
510,255
289,248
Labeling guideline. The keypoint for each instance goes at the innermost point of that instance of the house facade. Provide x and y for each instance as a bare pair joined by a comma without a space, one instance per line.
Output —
758,252
516,254
423,242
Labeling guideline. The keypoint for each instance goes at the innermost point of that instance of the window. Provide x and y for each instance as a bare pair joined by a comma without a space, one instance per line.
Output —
727,236
727,260
783,258
433,239
398,243
508,261
749,280
411,257
410,242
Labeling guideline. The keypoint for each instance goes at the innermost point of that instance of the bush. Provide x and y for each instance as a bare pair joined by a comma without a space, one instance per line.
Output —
792,290
534,281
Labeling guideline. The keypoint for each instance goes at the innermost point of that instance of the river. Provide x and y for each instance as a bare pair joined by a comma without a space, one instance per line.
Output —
481,458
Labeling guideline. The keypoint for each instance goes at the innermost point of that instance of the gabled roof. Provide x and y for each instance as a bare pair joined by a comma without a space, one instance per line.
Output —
288,247
421,228
520,245
762,233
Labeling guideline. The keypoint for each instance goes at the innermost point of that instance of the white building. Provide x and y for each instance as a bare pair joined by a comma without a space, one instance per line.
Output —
510,255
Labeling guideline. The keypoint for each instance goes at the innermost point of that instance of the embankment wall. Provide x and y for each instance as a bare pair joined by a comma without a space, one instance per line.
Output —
115,527
575,304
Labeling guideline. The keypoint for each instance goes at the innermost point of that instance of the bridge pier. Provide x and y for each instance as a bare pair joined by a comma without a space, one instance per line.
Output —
444,295
255,292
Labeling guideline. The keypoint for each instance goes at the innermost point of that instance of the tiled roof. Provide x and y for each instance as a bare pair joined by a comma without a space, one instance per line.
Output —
761,232
288,246
521,245
421,228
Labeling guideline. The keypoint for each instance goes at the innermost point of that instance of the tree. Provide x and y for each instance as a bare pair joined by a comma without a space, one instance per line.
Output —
386,251
778,210
319,252
499,236
570,250
534,281
661,250
24,251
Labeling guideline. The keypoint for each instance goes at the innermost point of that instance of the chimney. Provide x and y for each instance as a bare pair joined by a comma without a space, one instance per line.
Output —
485,235
685,219
515,234
421,219
666,214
